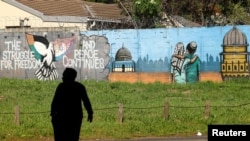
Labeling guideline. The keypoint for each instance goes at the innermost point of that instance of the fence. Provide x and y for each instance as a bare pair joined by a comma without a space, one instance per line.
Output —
120,112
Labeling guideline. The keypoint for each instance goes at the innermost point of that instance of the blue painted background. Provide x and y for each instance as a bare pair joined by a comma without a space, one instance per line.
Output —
152,49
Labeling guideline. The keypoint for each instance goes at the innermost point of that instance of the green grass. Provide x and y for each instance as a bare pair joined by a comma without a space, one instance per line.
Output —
143,108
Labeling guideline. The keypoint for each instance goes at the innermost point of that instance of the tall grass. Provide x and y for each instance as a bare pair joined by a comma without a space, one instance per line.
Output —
143,106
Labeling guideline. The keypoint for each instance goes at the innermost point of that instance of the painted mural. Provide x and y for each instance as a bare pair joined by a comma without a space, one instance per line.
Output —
235,58
185,66
47,52
95,54
93,57
152,49
43,55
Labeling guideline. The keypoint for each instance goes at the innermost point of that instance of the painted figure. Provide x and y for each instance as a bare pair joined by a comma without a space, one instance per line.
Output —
192,63
177,71
66,107
193,69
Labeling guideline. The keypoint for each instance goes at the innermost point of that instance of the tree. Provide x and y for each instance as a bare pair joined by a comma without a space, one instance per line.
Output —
146,12
238,14
210,12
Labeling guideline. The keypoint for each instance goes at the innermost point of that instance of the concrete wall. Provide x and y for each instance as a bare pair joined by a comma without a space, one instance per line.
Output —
162,77
23,58
152,49
93,52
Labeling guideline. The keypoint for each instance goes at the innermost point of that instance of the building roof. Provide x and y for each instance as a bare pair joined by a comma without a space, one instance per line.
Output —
57,7
73,10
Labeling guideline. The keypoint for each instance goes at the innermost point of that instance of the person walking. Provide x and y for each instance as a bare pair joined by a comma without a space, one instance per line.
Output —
67,109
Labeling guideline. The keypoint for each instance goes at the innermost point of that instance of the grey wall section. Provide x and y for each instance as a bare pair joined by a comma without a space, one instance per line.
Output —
88,55
94,51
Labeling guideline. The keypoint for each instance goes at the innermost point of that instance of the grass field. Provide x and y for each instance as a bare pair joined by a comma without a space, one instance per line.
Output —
143,108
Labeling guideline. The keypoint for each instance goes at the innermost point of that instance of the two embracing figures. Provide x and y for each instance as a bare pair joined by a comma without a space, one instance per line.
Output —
185,65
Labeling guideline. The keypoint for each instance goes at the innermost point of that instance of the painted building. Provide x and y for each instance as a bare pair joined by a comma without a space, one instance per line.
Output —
235,57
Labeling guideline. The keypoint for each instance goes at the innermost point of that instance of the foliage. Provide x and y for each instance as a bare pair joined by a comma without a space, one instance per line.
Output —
146,12
238,14
211,12
143,106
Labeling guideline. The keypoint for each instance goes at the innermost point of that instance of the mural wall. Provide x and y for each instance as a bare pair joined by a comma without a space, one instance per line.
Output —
152,49
44,55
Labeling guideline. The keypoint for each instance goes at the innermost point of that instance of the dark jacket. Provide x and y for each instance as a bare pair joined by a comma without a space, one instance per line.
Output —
67,101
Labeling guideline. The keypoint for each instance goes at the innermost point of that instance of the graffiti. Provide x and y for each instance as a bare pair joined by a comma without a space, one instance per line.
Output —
87,57
14,58
43,55
48,52
84,59
93,54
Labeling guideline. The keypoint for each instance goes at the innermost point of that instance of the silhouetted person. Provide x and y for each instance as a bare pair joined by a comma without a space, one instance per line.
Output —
66,107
